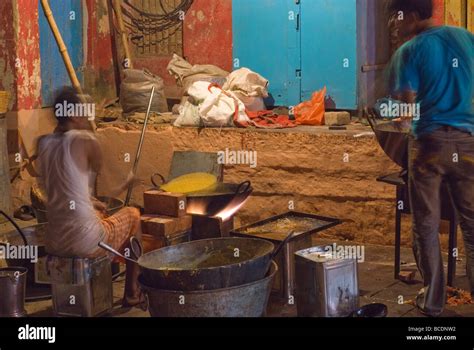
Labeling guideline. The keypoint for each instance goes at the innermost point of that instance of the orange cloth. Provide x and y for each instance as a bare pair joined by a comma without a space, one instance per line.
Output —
269,120
119,228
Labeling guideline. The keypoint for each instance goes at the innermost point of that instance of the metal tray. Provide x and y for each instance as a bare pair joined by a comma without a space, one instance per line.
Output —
324,224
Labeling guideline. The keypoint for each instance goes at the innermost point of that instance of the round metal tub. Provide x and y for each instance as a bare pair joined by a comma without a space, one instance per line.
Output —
207,264
248,300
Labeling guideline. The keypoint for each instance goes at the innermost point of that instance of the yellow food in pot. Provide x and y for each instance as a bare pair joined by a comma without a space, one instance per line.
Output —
191,183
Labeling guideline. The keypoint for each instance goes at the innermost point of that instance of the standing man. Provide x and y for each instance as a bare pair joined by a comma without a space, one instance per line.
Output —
435,69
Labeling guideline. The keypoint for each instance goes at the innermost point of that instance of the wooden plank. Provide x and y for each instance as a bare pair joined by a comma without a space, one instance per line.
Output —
455,13
470,15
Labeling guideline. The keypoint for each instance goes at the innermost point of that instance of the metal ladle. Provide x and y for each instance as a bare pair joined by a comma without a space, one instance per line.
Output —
135,246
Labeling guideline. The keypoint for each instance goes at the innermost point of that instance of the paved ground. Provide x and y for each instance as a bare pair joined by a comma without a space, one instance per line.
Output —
376,284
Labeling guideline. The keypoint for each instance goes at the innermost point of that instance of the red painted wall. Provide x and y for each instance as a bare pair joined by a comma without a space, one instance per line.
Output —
208,33
100,74
19,47
7,50
438,15
28,52
207,38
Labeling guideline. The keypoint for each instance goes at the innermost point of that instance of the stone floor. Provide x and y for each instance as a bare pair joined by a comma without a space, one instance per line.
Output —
376,283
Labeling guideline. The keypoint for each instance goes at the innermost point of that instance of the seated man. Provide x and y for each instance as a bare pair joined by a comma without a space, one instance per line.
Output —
67,160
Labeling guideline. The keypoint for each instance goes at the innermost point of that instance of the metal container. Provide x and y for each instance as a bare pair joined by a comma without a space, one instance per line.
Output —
326,286
248,300
12,291
284,283
81,287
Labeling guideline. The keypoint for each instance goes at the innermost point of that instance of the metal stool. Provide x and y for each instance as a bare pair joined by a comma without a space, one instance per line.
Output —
80,287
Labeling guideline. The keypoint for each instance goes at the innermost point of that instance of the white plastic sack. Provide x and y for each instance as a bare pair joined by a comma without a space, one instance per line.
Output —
186,74
188,115
247,83
217,108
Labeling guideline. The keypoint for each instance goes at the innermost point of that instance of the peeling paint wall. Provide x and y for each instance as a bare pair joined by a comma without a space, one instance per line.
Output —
100,72
208,33
19,45
7,50
28,63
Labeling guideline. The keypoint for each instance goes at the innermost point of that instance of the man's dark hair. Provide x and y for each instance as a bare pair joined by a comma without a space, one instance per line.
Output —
65,95
424,8
68,95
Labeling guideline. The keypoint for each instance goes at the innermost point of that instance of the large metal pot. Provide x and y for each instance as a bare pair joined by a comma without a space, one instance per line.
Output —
12,291
113,205
207,264
247,300
393,140
222,196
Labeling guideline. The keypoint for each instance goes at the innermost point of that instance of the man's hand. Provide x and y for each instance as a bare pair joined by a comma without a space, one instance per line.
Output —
132,180
402,123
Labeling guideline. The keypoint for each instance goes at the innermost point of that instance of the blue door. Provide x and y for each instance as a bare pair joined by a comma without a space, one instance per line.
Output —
68,16
300,46
329,51
266,40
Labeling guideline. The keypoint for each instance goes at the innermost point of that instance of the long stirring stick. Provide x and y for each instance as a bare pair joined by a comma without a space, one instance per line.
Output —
139,150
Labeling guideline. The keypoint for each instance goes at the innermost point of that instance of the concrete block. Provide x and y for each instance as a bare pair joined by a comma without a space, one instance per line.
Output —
337,118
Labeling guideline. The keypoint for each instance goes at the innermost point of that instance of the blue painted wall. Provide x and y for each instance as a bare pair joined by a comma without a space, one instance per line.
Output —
329,50
53,70
266,40
300,46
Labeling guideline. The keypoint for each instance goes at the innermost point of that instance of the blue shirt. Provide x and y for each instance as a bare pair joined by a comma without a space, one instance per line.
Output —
438,65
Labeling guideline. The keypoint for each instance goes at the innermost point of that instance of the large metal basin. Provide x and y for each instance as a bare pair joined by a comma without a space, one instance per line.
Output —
207,264
248,300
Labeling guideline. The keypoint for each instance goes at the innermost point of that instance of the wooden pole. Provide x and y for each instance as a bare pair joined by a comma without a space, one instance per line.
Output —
62,47
64,53
117,5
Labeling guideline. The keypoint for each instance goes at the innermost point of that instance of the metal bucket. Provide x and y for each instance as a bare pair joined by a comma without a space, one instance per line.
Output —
12,291
248,300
